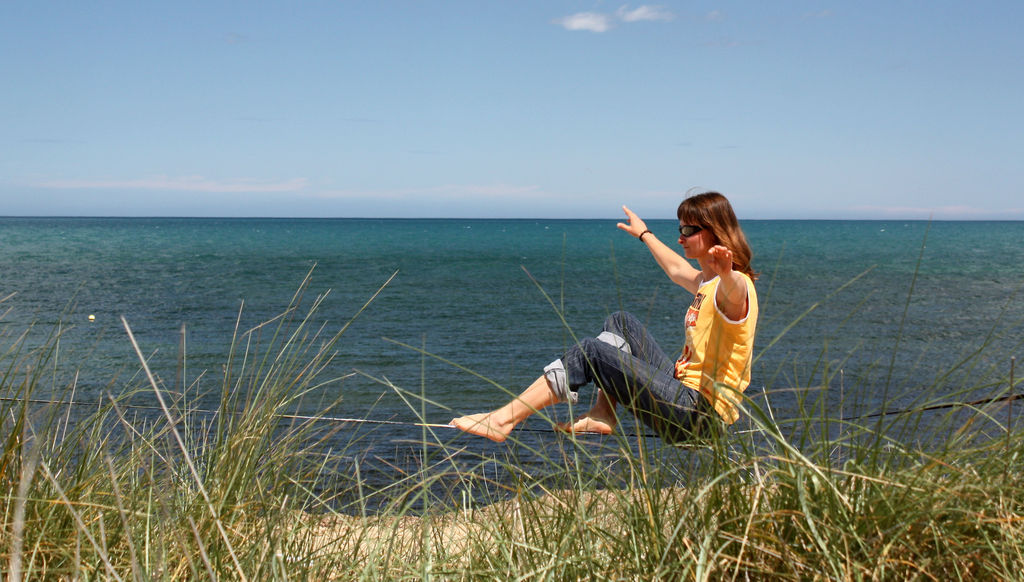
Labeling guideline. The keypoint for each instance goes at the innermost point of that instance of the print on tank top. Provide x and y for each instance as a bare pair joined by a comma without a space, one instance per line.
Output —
690,321
694,310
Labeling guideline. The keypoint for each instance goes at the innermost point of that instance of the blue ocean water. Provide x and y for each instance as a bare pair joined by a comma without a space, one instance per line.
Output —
895,305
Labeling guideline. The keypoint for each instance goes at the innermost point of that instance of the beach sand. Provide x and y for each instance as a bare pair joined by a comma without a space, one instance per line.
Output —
455,537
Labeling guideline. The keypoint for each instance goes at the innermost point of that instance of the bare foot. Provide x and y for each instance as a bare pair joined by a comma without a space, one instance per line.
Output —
484,424
589,423
600,419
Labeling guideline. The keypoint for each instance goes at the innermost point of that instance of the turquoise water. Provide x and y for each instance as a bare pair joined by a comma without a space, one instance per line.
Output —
473,292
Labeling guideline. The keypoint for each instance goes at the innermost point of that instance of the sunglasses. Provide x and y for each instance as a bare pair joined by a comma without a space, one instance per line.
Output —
688,230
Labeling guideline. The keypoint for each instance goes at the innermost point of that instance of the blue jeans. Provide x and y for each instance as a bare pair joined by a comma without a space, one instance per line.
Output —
627,363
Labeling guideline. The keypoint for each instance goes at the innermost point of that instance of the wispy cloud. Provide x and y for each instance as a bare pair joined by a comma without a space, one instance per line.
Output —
591,21
942,212
444,192
643,13
730,43
51,140
818,15
178,184
603,22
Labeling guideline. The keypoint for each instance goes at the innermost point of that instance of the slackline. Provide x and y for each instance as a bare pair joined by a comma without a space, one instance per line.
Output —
279,416
414,424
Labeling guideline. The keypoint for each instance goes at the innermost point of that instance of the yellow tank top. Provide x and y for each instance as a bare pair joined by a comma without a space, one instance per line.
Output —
718,350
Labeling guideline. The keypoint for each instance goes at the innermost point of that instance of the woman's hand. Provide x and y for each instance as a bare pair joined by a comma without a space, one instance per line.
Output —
636,225
732,290
719,261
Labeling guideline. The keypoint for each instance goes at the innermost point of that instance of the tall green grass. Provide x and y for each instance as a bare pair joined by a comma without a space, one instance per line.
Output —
245,491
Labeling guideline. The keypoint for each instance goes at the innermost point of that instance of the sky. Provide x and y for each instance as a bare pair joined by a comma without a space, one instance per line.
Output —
896,109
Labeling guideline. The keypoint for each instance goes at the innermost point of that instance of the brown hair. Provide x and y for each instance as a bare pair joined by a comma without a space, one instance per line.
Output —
712,211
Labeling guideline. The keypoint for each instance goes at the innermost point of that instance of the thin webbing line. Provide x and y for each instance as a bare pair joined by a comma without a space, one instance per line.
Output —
342,420
320,418
1006,398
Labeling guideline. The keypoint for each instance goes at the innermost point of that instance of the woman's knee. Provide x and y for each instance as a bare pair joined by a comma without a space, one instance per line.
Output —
618,321
589,346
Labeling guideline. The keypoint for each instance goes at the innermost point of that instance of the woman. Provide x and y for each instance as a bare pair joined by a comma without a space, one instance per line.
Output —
674,398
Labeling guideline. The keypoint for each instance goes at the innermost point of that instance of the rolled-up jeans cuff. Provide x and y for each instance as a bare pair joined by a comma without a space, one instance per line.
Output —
615,340
559,382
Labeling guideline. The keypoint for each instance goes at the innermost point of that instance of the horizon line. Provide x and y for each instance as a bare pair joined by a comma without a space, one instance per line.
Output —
494,218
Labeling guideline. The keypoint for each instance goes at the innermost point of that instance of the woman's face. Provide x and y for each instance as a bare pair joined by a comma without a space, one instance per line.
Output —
695,244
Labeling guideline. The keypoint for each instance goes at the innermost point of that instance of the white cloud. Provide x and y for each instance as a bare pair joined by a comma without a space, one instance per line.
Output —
179,184
591,21
644,12
602,22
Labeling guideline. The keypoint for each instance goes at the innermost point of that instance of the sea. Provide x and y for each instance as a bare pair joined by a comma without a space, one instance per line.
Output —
444,317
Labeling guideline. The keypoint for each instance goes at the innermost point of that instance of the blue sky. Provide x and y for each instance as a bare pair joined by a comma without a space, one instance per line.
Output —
802,109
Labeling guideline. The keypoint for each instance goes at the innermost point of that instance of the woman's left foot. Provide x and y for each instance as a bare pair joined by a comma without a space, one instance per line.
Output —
588,424
485,424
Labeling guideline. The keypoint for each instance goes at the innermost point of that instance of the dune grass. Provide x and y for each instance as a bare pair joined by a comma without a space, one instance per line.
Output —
247,492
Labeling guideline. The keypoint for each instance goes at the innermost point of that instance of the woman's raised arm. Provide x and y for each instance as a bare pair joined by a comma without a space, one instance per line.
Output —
678,269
